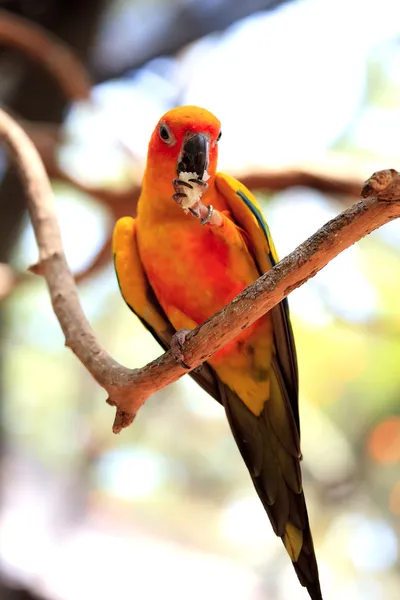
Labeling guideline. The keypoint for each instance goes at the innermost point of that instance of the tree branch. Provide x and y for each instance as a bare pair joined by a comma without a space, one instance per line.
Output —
9,279
276,181
268,181
46,49
128,389
123,202
47,137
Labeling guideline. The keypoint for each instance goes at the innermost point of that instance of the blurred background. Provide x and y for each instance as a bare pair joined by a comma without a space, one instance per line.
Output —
308,92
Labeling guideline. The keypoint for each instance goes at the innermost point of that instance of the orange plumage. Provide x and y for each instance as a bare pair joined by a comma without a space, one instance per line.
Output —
175,274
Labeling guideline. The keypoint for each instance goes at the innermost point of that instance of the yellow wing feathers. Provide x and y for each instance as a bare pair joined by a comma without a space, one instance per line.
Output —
131,277
140,298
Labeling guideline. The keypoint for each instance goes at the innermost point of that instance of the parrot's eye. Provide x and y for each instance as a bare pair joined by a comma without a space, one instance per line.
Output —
165,134
219,136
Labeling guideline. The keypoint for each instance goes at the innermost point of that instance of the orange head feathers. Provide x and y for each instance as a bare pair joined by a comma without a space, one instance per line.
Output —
185,139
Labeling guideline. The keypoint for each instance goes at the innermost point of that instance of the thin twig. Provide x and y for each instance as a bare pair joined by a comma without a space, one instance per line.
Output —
276,181
128,389
9,279
55,56
269,181
123,202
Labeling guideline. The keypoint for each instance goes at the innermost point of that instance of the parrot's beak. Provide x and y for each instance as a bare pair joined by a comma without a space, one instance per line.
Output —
194,156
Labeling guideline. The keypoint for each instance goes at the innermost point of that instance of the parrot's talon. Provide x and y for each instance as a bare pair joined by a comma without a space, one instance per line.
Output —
178,182
208,216
178,196
195,212
188,192
204,184
177,343
183,365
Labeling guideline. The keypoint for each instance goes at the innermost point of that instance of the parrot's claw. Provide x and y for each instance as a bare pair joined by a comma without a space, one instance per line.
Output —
195,211
178,196
178,182
186,195
177,343
203,184
189,199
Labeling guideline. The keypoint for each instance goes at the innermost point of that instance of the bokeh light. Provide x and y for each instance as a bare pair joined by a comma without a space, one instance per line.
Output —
384,441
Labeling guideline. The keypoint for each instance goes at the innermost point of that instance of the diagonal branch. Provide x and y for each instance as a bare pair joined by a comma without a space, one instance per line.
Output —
128,389
123,202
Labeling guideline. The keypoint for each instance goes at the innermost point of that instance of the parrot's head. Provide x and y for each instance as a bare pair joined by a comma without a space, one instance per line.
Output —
185,140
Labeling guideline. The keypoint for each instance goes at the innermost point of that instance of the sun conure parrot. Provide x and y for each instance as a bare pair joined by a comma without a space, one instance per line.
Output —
178,263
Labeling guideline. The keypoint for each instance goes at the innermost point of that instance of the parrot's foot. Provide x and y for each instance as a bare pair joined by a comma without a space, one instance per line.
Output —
188,196
188,191
177,343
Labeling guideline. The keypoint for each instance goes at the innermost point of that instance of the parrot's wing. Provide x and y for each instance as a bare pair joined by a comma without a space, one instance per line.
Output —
247,214
270,442
140,298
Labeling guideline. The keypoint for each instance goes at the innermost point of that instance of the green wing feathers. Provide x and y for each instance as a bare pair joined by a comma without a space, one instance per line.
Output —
247,213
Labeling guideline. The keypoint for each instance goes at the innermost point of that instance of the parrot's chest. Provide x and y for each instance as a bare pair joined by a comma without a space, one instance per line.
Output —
192,270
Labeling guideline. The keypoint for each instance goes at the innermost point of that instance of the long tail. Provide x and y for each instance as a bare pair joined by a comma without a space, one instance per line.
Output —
276,476
306,565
